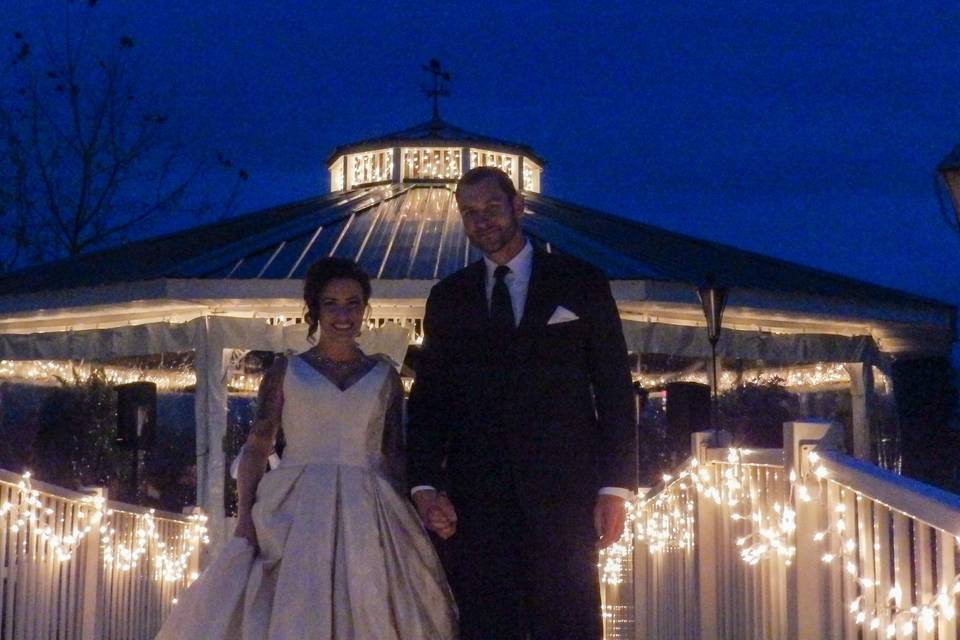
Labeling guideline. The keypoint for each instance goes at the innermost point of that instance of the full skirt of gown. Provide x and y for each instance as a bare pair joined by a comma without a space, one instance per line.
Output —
343,555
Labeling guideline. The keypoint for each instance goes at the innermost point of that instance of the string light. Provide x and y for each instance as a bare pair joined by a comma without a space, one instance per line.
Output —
432,163
372,166
50,371
666,522
818,376
27,512
868,609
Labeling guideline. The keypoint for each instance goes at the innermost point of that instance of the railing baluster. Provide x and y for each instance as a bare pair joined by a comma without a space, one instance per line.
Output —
865,552
6,559
883,562
922,544
946,570
13,571
902,567
848,560
835,611
29,580
641,569
727,583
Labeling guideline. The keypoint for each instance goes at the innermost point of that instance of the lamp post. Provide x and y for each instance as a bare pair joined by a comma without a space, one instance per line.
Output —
948,173
713,300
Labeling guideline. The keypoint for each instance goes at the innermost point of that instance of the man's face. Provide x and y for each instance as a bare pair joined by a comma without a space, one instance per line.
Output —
491,218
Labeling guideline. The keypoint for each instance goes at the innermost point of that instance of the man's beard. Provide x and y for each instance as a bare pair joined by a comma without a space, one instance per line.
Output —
497,240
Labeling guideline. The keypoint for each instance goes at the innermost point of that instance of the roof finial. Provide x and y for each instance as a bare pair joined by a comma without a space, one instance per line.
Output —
440,78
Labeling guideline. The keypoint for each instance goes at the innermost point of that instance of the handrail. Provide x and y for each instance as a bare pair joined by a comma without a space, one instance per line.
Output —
664,483
912,498
15,479
767,457
140,510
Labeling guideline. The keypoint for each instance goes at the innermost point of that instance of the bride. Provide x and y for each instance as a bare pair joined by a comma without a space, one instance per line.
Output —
326,546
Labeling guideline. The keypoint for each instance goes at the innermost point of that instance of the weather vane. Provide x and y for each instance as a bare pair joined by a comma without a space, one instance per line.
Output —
440,80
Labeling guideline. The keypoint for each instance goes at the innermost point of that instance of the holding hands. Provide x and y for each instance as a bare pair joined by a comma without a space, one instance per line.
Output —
609,515
436,511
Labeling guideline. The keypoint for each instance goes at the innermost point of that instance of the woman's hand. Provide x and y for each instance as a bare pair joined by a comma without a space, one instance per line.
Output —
245,529
436,511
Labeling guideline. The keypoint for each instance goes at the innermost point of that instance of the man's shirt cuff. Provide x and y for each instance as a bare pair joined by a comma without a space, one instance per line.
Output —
422,487
626,494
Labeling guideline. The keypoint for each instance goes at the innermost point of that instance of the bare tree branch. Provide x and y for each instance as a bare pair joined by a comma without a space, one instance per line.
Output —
89,157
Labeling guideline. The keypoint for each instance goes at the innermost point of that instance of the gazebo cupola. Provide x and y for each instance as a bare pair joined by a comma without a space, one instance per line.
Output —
432,152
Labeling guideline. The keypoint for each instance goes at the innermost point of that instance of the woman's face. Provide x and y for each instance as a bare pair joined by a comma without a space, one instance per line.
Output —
341,309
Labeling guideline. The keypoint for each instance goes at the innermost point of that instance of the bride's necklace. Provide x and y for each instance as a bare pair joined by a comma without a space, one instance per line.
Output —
337,365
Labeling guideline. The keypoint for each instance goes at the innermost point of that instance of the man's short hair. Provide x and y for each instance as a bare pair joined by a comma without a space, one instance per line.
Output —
479,174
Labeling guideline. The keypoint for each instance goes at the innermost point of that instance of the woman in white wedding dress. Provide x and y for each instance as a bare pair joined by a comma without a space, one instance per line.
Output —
327,545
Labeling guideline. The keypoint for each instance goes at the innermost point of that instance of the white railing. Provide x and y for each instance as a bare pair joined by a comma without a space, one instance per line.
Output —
74,566
803,542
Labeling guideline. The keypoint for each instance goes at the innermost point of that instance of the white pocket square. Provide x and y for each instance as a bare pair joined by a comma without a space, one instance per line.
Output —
562,314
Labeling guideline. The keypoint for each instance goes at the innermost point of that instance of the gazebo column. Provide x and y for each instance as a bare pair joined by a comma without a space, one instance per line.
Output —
211,424
861,400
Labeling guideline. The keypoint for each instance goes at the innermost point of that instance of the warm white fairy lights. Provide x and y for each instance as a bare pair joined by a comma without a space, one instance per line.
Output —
50,372
372,166
665,522
26,511
811,377
431,163
872,609
30,513
484,158
171,558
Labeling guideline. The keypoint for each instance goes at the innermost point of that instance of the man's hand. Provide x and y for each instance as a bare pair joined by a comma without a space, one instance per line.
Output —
437,512
609,515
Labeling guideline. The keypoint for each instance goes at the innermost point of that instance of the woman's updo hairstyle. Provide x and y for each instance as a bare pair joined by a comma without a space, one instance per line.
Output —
318,275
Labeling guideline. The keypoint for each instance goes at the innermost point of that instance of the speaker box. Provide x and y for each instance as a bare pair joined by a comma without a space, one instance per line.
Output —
136,414
688,408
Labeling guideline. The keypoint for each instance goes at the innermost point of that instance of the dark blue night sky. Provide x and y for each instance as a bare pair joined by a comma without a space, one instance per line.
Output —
806,130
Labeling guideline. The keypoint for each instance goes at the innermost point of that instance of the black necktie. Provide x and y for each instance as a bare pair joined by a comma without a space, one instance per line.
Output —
501,308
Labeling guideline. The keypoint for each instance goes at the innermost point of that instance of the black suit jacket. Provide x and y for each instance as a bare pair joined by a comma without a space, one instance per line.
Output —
550,416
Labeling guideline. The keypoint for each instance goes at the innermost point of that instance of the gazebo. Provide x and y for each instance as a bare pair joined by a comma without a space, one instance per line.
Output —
224,288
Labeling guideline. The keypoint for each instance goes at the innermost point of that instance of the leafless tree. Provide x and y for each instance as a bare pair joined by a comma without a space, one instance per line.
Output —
89,157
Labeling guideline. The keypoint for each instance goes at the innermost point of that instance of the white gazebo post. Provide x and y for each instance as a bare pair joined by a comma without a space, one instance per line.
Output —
211,421
861,401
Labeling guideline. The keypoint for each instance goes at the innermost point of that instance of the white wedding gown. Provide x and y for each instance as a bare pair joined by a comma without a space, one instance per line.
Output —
342,552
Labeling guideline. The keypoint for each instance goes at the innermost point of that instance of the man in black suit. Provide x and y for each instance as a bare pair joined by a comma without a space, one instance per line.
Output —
522,433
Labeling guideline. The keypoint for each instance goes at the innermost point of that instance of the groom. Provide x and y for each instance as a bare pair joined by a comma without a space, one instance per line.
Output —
522,433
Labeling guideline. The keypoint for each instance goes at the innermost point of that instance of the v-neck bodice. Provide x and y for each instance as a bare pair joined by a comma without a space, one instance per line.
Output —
354,378
324,424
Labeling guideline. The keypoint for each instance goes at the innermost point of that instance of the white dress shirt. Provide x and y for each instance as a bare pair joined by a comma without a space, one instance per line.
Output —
517,281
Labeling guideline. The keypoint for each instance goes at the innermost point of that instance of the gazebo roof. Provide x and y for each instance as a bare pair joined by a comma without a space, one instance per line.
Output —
432,132
413,232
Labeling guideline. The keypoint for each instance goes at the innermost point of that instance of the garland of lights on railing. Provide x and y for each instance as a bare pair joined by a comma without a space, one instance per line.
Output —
666,522
923,616
27,510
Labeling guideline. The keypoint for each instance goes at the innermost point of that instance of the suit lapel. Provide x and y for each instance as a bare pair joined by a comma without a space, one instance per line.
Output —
536,310
476,296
